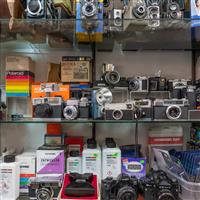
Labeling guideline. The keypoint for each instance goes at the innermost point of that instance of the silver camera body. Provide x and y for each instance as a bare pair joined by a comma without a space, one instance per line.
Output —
138,84
136,9
172,109
71,109
119,111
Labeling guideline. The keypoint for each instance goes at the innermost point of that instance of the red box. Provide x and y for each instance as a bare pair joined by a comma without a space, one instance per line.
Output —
67,181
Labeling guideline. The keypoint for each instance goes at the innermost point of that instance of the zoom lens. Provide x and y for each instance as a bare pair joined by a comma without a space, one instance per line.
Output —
173,112
44,194
134,85
117,114
126,193
112,77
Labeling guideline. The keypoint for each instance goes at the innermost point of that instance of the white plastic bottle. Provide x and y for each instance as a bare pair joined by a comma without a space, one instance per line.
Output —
10,178
92,158
74,163
111,159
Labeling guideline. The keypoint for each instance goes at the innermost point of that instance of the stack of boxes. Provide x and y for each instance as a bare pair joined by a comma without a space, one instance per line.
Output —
19,76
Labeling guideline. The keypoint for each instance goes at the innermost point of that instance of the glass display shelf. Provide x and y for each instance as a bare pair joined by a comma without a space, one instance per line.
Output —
90,121
180,34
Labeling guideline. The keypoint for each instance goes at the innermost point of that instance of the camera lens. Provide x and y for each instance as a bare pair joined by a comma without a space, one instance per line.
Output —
89,9
44,194
117,114
70,112
126,193
43,111
134,85
112,78
165,195
173,112
139,12
34,6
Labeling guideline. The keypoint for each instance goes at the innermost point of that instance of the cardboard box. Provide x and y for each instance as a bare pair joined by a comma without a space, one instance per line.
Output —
76,69
134,166
18,83
50,160
38,91
19,63
27,163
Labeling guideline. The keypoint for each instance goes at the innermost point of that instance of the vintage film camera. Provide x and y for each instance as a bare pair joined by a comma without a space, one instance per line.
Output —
178,87
44,188
157,83
99,98
144,108
111,78
173,9
89,20
136,9
40,9
75,108
47,107
138,84
125,187
119,111
157,185
173,109
80,185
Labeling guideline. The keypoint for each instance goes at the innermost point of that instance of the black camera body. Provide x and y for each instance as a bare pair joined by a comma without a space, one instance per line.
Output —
157,84
47,107
124,187
157,185
80,185
45,188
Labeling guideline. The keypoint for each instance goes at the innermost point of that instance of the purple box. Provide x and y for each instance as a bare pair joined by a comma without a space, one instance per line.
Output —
134,166
50,161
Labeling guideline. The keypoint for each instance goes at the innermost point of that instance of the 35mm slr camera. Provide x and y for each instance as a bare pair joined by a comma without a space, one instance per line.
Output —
45,188
125,187
157,186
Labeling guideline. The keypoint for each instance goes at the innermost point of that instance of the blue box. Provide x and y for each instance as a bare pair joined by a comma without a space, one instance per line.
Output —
134,166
